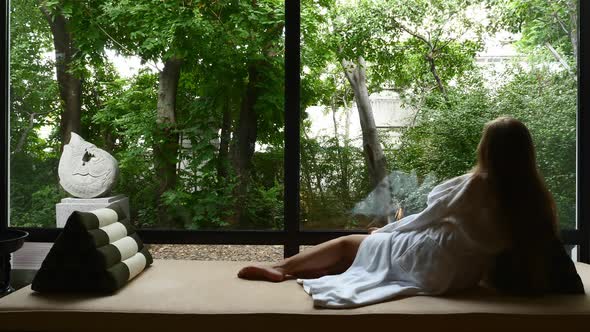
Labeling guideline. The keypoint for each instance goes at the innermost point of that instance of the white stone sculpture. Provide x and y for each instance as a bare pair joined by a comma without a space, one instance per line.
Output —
86,171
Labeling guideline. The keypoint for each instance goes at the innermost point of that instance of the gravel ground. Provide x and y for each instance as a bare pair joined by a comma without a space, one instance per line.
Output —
253,253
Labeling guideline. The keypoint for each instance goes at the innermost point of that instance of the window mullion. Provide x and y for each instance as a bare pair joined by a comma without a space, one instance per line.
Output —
583,133
5,130
292,126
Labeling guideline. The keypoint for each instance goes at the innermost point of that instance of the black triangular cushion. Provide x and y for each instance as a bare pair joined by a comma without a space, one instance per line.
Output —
560,273
97,251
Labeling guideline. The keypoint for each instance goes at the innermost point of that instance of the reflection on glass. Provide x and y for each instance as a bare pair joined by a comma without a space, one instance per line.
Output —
572,251
401,89
187,96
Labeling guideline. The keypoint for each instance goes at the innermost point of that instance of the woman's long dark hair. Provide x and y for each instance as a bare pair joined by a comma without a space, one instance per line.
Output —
506,158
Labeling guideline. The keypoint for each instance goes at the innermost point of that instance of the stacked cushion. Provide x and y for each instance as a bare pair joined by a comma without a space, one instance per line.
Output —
559,271
98,251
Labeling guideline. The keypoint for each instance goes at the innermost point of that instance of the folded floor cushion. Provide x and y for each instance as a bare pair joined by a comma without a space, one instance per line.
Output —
98,251
557,273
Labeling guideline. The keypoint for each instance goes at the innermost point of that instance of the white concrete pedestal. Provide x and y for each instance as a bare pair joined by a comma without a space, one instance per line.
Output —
64,209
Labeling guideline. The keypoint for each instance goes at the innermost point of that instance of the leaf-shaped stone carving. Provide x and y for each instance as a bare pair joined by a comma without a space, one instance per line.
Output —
86,171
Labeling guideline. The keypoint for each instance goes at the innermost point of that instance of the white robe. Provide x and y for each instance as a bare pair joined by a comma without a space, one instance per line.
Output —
446,247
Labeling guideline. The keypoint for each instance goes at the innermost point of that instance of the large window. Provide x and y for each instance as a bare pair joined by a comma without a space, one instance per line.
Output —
396,94
186,95
277,122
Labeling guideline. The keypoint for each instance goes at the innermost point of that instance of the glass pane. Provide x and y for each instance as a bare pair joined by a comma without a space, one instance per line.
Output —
32,254
186,96
242,253
401,90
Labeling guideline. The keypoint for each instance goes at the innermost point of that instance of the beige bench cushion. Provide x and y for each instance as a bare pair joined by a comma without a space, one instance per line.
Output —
196,293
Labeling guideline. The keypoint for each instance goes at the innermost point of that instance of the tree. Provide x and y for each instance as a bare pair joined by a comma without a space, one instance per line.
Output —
545,97
220,76
129,113
170,32
58,16
260,66
213,39
166,149
34,104
416,45
413,47
326,50
200,138
32,86
437,27
444,140
374,157
548,25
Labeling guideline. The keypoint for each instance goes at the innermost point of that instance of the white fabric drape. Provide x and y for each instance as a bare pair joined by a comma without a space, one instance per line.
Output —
448,246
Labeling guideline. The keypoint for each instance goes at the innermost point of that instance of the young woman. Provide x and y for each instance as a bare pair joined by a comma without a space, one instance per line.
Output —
502,206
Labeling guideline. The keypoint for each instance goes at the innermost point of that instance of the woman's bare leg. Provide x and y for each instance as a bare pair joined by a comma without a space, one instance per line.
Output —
331,257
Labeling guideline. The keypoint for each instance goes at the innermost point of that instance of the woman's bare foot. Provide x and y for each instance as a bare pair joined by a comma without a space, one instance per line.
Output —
261,272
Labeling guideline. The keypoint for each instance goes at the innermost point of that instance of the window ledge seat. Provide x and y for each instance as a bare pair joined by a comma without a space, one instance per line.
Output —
172,295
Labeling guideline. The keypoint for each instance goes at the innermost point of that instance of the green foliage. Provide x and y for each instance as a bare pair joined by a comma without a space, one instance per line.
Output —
200,209
34,104
265,207
397,37
33,192
333,178
219,42
40,213
129,117
539,21
445,137
546,102
154,29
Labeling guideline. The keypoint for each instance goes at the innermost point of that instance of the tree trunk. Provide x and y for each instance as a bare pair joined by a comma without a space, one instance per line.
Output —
166,147
244,144
434,72
559,58
347,126
374,157
346,152
343,168
573,31
109,140
108,131
23,136
315,169
70,86
246,134
306,174
225,135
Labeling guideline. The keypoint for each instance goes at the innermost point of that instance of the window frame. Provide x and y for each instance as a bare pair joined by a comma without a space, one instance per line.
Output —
582,233
291,237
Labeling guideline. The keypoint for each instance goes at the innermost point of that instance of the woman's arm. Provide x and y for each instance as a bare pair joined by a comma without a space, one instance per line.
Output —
445,199
445,187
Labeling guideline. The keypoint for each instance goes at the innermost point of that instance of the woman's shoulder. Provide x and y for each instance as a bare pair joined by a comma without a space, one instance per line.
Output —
448,188
456,181
468,188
